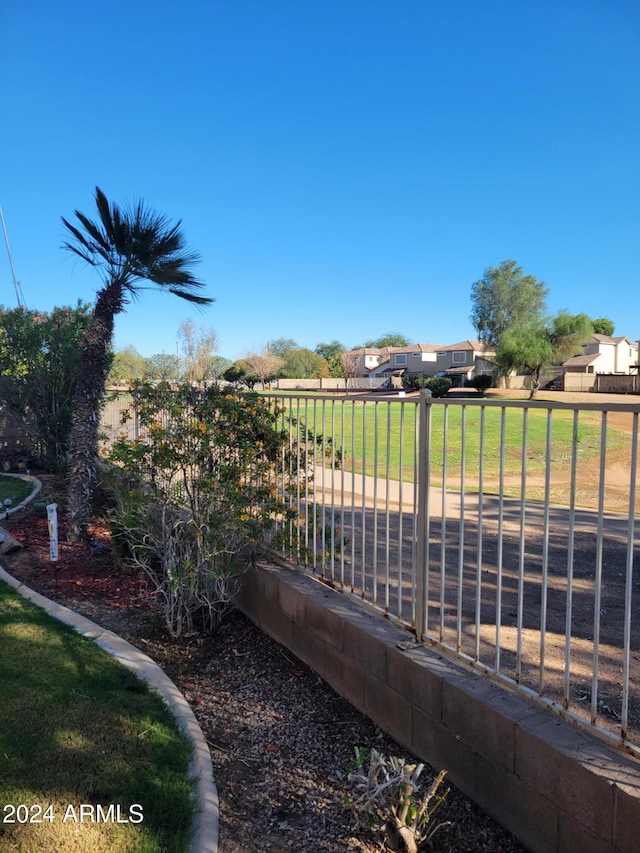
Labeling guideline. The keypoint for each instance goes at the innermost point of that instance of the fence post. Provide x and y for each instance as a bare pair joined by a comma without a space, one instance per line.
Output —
422,532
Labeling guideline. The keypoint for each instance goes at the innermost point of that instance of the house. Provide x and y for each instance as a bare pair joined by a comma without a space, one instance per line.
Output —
459,361
604,354
464,360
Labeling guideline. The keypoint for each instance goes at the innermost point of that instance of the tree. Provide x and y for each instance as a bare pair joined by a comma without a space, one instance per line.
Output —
125,246
217,366
127,365
603,326
390,339
240,374
198,347
281,347
39,365
332,354
164,366
303,363
505,298
536,346
349,362
262,366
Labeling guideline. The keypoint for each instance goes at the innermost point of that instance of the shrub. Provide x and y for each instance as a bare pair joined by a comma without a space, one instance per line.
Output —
39,365
388,800
414,381
481,383
195,493
438,385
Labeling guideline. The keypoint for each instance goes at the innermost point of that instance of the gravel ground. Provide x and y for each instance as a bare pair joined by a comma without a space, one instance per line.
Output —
281,741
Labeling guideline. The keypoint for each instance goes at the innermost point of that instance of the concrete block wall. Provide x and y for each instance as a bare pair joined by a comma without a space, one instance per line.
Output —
558,788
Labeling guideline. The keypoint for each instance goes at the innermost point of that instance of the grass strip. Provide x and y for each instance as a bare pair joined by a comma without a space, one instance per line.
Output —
90,759
15,489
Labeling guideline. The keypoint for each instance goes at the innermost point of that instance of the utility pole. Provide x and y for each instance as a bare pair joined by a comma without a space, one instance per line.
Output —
16,283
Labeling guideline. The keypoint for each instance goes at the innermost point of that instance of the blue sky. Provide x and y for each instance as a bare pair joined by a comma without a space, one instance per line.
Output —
344,167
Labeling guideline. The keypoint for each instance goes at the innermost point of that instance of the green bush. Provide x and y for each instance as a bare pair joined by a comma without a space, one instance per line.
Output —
39,366
438,385
414,381
481,383
196,493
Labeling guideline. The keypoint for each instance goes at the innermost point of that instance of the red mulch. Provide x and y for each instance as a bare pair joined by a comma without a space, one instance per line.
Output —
85,571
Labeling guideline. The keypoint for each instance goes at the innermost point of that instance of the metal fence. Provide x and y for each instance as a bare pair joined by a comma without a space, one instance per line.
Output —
500,531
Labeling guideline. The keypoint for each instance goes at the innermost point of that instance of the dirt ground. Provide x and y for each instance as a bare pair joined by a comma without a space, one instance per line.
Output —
281,740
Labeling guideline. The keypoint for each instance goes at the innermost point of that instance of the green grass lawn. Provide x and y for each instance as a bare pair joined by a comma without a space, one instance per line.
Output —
14,488
77,732
377,435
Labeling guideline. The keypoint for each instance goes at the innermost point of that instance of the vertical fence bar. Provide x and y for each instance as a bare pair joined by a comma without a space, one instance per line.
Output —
521,544
422,549
332,454
400,508
628,591
353,496
503,418
387,536
414,520
300,478
307,493
363,577
544,587
342,515
443,522
479,559
570,560
374,561
463,453
597,603
323,511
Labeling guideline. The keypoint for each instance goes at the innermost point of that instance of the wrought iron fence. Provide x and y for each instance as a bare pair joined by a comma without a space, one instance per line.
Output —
500,531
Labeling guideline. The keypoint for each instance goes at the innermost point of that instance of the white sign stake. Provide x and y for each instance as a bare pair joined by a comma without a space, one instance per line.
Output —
52,519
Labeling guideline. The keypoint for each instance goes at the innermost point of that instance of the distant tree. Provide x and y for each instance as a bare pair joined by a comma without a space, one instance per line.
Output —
332,354
262,366
603,326
302,363
390,339
534,347
349,362
281,346
128,364
198,345
239,373
505,298
125,246
218,365
164,366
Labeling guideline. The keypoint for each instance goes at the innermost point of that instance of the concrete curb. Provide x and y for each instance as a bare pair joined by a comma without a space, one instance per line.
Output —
205,837
36,488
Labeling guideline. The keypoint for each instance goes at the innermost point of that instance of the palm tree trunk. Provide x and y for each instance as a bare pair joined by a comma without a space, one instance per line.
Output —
89,396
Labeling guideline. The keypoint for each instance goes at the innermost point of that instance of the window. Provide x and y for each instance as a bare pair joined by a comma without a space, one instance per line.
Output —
401,358
459,357
442,354
415,354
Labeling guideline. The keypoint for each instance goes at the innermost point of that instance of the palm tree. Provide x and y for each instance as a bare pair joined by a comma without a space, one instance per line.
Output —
126,247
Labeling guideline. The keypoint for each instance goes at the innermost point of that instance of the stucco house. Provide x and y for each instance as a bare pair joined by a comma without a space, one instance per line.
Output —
604,354
460,361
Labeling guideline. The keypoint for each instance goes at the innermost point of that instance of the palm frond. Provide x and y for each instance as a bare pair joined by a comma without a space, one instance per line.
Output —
133,244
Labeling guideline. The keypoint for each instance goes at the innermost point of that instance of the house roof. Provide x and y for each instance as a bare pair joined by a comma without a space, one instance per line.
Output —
476,346
607,339
581,360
